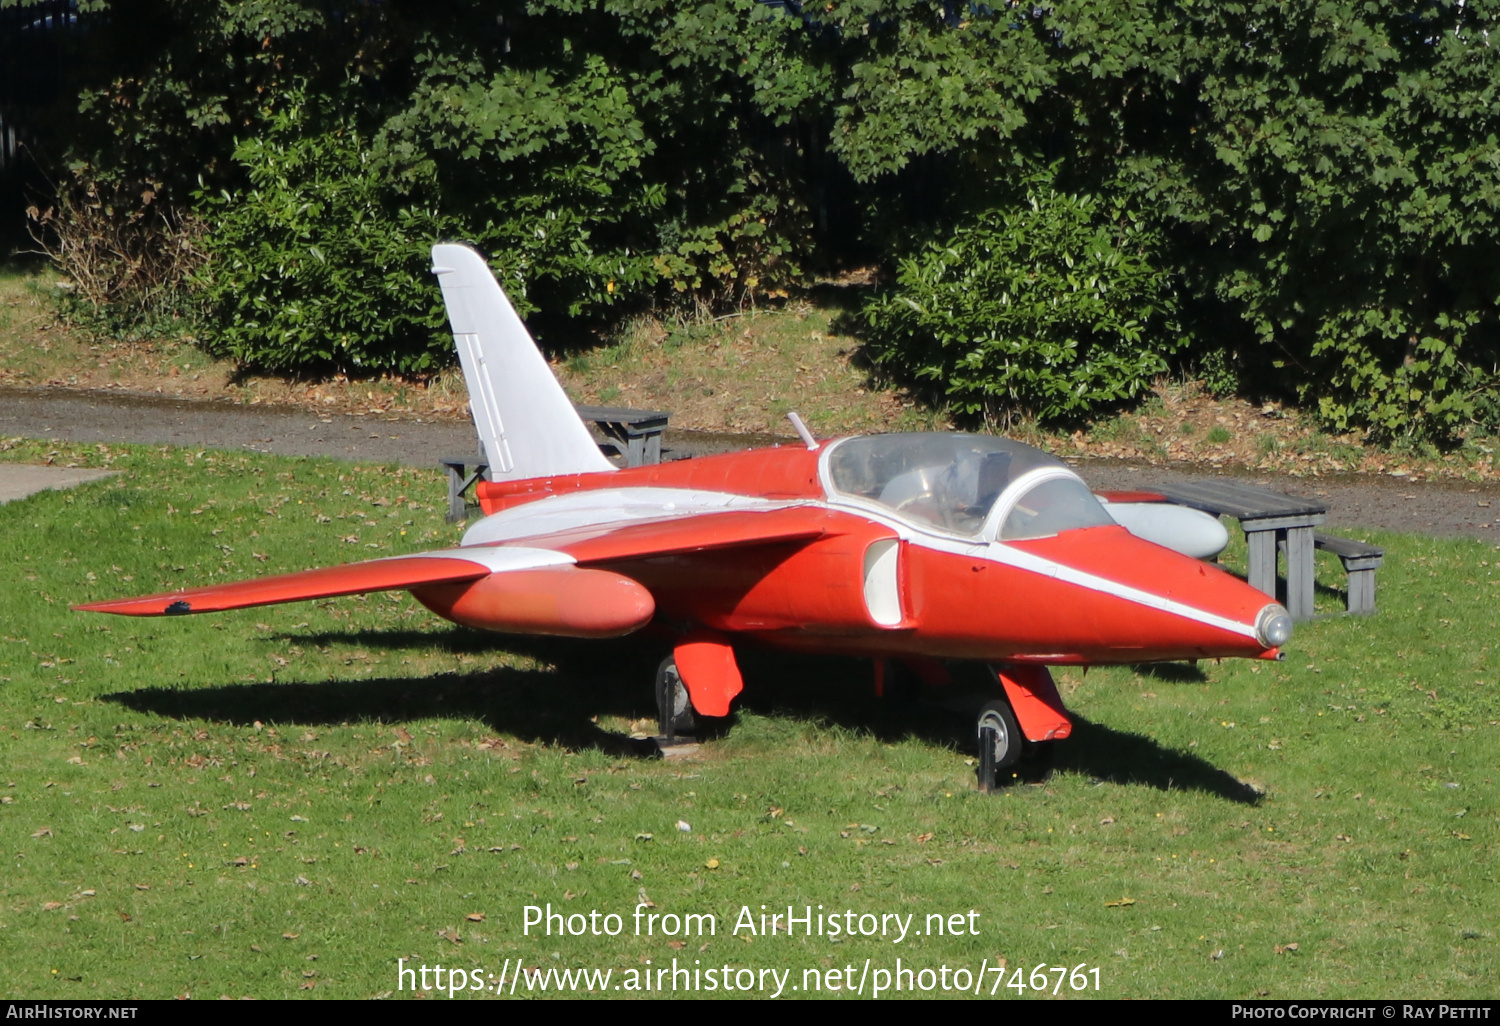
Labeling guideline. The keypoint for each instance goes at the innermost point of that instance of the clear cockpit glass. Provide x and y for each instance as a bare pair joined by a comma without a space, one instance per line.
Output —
949,481
1052,506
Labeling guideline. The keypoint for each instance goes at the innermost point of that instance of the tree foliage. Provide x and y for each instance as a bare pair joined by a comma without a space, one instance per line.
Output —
1327,172
316,263
1053,308
1323,178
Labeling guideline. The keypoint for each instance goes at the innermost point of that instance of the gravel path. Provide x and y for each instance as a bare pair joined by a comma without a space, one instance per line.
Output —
1439,508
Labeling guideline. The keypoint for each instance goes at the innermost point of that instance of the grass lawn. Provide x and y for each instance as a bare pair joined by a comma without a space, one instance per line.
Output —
286,801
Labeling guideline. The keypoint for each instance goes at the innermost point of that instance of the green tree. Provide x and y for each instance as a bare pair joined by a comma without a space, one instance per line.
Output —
1052,308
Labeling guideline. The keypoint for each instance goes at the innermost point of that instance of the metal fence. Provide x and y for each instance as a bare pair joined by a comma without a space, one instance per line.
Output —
33,56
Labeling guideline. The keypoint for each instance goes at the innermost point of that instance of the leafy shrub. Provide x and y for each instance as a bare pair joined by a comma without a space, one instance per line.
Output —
317,263
1432,389
1217,371
126,255
1053,309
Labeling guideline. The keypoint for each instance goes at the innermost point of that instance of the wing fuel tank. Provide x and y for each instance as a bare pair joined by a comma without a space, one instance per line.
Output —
1188,531
563,601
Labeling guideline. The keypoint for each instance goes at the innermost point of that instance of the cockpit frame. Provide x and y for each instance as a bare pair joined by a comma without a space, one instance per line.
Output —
921,482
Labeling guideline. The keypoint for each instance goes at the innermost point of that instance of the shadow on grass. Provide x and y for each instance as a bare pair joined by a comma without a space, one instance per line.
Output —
1117,757
558,706
1172,673
839,691
454,640
545,706
527,704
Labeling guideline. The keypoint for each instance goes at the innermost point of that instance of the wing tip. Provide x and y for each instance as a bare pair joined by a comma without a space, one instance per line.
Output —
139,607
119,608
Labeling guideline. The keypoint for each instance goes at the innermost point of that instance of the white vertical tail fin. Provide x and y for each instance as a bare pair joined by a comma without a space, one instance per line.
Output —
525,420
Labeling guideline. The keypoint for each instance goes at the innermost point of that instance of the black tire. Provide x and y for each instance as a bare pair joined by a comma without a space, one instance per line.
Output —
999,741
674,707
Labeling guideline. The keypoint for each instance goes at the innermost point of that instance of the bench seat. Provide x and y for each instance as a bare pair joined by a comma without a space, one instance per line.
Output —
1360,563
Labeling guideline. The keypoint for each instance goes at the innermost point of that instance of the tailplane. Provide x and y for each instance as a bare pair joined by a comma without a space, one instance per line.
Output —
525,420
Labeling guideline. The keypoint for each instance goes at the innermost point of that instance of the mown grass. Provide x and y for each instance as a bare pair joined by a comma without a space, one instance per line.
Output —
284,801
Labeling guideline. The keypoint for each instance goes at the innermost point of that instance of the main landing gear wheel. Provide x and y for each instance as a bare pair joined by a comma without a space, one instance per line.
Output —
674,708
999,740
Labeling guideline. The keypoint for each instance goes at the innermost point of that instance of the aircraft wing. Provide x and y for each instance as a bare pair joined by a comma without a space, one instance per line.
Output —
592,544
699,532
392,573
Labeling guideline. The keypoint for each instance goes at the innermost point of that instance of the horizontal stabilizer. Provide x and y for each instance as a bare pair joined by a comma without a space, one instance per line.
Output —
1130,495
398,572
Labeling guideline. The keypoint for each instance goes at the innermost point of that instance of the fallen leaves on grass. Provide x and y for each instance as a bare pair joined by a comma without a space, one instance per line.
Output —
475,917
1119,903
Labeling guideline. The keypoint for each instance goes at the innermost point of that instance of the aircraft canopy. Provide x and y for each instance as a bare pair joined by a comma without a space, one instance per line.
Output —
951,481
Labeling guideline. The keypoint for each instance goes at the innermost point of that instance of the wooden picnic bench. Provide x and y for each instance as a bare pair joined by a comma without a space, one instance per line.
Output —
458,482
634,435
1360,563
1275,523
1267,518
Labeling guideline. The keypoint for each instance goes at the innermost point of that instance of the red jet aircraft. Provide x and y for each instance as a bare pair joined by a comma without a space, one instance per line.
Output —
918,547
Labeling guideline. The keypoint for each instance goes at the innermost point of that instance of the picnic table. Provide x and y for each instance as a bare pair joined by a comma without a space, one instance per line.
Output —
632,434
1270,520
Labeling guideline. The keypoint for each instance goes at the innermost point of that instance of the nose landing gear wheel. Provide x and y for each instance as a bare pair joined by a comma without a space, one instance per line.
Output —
674,709
999,740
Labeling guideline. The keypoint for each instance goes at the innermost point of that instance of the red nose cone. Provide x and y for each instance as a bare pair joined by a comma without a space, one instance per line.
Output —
1145,602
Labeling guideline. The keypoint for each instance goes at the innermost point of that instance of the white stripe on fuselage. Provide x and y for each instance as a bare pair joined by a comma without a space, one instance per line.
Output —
612,507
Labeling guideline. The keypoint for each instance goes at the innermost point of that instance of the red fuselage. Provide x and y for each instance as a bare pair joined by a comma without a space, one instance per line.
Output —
1096,594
